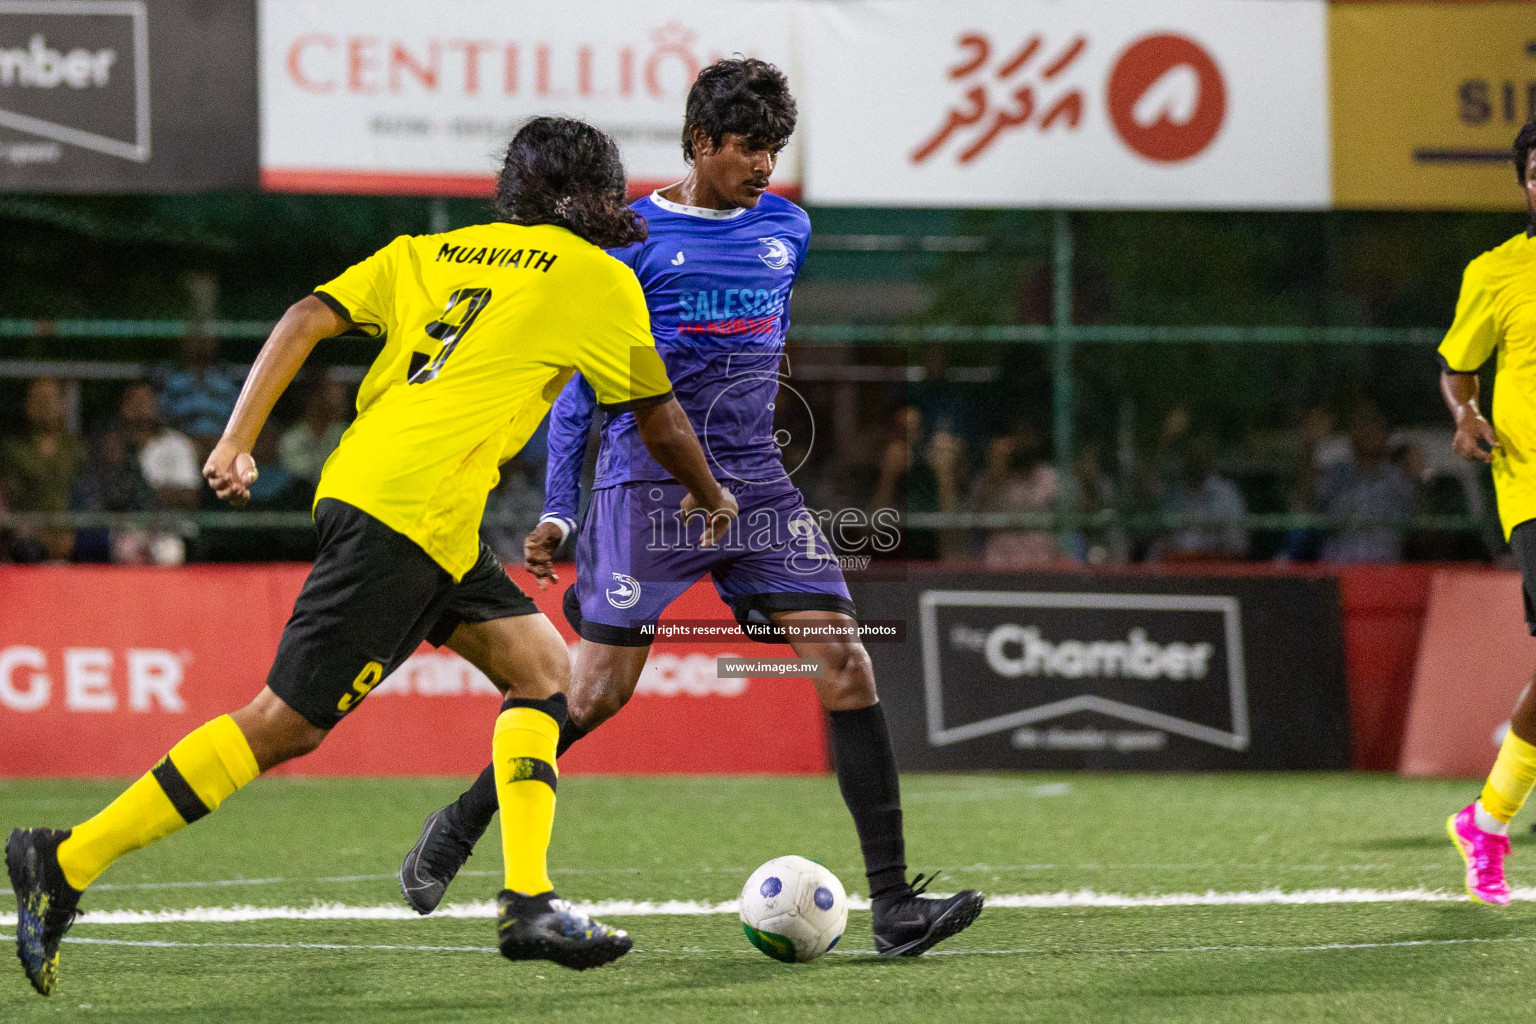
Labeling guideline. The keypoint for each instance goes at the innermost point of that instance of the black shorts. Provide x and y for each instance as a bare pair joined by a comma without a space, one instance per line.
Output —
371,598
1522,544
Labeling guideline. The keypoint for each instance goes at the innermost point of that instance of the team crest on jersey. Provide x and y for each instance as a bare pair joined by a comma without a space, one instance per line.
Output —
777,253
625,592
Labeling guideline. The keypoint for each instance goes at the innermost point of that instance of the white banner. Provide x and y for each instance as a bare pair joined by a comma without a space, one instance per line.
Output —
1093,103
422,97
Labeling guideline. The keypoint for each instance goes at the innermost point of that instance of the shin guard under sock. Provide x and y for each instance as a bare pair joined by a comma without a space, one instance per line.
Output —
523,755
199,773
476,806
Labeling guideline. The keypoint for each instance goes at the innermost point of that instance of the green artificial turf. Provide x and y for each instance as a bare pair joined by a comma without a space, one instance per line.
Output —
295,842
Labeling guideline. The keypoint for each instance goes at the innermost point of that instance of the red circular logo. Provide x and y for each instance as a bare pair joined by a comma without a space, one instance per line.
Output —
1167,98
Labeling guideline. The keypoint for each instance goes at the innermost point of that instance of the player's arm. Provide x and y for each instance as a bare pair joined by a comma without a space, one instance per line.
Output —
570,424
230,470
1466,347
670,439
1475,440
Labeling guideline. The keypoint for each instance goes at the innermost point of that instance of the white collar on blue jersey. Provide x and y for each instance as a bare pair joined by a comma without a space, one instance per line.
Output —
701,212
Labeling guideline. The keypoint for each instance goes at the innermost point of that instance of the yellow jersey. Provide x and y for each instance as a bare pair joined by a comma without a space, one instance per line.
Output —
482,328
1497,311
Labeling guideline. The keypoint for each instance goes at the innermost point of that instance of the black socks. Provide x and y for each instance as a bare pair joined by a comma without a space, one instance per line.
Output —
471,814
866,773
570,732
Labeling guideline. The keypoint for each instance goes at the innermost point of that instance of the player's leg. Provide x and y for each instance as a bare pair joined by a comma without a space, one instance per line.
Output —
601,682
625,579
333,651
906,922
1481,829
531,667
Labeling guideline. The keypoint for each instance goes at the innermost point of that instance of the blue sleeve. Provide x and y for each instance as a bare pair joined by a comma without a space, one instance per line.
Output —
629,255
805,244
804,249
570,421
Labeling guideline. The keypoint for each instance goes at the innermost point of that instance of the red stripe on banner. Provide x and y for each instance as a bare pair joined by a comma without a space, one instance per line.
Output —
103,669
475,186
278,179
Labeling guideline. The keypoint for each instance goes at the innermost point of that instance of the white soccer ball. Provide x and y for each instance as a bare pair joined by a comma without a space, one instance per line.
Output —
793,909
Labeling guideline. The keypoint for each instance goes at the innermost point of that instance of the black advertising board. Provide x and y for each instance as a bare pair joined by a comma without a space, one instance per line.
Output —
127,95
1044,671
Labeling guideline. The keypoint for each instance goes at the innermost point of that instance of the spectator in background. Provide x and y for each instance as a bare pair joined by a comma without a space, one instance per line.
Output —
36,471
309,442
1370,489
1198,492
1016,478
169,463
1321,444
1094,492
276,488
911,484
199,394
167,457
112,482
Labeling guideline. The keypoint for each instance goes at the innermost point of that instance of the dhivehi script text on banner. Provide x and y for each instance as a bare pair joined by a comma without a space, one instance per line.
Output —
1096,103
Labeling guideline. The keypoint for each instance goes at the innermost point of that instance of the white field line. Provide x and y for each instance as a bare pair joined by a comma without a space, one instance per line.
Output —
1084,898
1327,947
852,870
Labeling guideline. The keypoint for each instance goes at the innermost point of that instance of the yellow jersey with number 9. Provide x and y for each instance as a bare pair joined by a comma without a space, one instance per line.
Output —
482,328
1497,312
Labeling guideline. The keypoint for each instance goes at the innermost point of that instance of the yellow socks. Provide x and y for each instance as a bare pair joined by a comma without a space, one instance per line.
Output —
209,764
523,756
1510,782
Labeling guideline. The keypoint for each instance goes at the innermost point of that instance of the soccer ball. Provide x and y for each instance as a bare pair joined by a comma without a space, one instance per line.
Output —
793,909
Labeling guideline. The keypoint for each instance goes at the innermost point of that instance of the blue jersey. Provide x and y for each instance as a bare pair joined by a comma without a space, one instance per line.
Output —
717,283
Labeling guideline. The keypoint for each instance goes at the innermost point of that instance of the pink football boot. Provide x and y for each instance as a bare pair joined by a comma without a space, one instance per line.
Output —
1484,853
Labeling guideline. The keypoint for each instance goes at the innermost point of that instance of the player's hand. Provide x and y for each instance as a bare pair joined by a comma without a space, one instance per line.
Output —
717,520
1475,440
539,549
230,472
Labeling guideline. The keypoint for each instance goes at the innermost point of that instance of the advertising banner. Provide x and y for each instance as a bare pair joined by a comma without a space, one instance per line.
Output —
1427,98
127,95
393,97
1096,103
1048,671
1475,657
103,669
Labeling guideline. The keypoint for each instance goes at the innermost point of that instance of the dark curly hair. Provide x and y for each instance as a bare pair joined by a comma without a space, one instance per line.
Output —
562,171
740,95
1524,143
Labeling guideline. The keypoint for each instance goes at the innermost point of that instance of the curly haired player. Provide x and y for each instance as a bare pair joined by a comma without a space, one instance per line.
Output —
482,328
717,270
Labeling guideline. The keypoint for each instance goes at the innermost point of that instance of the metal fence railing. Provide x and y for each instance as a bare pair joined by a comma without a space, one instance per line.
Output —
1062,335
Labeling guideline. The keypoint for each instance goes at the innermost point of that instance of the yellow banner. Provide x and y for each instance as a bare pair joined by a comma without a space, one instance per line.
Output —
1427,99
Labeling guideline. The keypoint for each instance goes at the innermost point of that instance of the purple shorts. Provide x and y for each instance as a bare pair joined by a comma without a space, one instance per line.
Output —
635,556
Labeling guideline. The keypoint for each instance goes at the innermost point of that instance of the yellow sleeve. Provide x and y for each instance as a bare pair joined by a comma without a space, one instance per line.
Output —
364,292
618,355
1473,336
